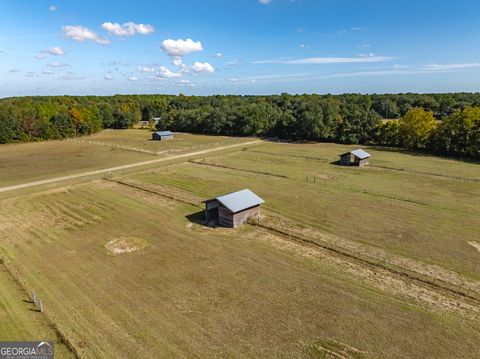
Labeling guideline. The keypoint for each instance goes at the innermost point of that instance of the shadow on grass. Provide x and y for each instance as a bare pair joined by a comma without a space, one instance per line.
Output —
197,217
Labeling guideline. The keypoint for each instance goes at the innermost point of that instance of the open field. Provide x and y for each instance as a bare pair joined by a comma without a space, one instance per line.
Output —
427,217
185,290
141,140
22,163
131,272
19,319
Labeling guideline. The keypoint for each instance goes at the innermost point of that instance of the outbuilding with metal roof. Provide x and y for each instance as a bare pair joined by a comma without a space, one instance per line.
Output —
162,135
357,158
233,209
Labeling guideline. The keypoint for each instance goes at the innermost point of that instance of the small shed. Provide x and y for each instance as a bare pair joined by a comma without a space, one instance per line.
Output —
233,209
357,158
162,135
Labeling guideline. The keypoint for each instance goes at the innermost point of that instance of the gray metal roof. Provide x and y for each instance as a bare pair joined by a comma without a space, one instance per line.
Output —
164,133
359,153
238,201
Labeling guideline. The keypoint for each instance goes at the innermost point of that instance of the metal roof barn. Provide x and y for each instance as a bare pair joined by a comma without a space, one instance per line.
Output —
162,135
234,208
357,158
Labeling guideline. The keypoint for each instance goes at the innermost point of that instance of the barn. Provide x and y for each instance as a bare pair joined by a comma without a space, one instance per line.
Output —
357,158
162,135
233,209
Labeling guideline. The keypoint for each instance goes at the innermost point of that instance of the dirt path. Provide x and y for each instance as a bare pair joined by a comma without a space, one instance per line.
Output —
124,167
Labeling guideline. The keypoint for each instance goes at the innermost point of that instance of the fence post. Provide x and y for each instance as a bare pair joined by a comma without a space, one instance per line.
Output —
34,298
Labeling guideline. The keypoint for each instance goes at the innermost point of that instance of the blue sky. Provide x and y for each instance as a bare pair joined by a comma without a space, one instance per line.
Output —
238,46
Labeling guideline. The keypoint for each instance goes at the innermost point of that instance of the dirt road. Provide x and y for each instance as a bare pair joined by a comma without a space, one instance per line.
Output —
119,168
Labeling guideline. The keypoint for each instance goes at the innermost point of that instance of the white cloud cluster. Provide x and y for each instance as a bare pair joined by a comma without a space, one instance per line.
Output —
55,51
168,74
181,47
82,34
202,68
128,28
145,69
264,2
186,83
58,64
53,8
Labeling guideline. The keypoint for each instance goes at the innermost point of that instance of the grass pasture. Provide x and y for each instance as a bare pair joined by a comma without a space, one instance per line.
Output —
142,140
427,217
190,291
22,163
125,272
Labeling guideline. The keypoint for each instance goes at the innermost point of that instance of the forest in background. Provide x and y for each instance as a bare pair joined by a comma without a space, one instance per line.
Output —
445,124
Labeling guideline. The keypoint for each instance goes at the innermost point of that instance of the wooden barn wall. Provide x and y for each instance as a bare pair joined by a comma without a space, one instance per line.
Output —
241,217
225,217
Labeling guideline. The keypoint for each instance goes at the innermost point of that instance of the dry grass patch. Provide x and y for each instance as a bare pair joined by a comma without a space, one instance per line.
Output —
125,245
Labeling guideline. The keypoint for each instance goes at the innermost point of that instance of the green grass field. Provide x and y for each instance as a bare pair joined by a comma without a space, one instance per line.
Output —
128,273
424,212
189,291
19,319
22,163
142,140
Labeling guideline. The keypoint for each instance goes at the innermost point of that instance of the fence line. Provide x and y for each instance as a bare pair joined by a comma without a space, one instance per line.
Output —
40,305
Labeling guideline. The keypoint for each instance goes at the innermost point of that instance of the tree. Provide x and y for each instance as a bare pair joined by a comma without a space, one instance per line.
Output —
416,128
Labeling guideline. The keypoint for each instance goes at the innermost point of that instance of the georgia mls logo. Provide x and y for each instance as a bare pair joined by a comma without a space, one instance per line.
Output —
26,350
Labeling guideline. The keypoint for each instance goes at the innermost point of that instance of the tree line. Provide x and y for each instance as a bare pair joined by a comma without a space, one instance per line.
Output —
447,124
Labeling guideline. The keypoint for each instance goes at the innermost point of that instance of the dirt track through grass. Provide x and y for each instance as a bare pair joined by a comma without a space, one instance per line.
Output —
124,167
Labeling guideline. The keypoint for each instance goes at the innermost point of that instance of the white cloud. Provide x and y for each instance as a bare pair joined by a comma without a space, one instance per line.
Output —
48,72
181,47
367,54
202,68
108,77
218,55
327,60
264,2
145,69
450,67
128,28
58,64
187,83
53,8
167,74
57,51
132,79
72,76
82,34
233,79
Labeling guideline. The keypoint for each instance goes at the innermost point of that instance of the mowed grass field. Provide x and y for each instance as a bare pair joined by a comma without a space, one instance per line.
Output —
128,273
142,140
19,320
22,163
190,291
420,207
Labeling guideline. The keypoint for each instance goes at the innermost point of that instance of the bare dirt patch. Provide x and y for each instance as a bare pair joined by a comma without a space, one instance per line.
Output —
125,245
475,245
